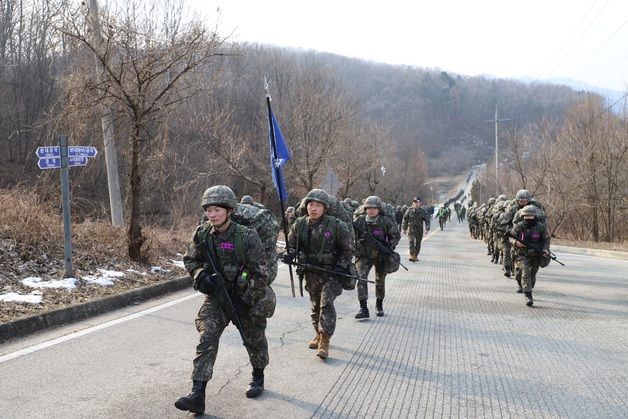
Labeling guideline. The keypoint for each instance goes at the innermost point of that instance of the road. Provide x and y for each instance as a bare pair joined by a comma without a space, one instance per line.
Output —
456,341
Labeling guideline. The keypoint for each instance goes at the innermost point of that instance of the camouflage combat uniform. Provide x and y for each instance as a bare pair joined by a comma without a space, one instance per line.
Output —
527,260
385,230
236,251
412,222
326,242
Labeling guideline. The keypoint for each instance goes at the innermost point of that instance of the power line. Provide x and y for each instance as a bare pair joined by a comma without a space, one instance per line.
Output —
600,49
579,38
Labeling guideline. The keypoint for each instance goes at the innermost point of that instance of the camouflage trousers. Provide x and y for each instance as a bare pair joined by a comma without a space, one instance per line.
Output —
507,259
323,290
525,272
364,265
414,240
210,323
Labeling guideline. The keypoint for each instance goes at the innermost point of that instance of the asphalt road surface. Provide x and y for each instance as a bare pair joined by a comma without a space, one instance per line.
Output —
456,341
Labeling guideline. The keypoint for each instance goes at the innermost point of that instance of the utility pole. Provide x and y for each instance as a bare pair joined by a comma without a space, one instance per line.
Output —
495,121
111,161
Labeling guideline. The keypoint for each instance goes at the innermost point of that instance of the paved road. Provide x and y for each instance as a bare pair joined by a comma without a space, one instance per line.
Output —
456,341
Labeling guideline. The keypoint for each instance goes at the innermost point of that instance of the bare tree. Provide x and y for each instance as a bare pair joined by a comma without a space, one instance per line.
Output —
146,73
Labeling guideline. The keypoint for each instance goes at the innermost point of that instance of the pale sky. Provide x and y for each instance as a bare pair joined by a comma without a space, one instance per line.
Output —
584,40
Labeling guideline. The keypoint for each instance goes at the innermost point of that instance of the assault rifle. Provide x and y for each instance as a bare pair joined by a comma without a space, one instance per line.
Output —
369,239
537,248
315,268
221,293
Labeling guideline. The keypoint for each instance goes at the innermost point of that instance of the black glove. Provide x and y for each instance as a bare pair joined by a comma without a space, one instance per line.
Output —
287,258
339,269
240,307
205,282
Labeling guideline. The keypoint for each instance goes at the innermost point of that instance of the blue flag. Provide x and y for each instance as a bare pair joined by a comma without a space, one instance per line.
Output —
279,155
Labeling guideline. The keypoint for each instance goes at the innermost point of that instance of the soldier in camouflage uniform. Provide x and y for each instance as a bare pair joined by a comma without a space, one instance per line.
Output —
238,255
527,260
324,241
385,230
412,224
248,200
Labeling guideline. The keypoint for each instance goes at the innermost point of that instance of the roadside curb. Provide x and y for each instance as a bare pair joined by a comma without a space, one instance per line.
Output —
591,252
36,323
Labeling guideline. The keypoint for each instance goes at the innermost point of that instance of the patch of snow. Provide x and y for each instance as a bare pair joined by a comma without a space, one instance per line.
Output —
104,277
32,298
36,282
177,263
136,272
114,274
159,269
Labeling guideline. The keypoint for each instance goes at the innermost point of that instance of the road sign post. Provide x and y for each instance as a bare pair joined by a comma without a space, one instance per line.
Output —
63,157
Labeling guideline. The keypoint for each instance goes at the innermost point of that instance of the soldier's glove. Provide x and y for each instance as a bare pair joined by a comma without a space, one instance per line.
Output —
340,270
205,282
287,258
240,307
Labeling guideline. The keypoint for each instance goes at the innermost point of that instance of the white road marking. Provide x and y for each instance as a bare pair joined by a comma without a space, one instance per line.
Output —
93,329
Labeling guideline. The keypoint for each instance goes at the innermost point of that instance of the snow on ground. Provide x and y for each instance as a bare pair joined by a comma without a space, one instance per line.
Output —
177,263
36,282
34,297
104,277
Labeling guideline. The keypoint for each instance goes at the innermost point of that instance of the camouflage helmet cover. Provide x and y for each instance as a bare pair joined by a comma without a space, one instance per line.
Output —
317,195
219,195
502,197
246,199
524,194
529,210
373,202
491,201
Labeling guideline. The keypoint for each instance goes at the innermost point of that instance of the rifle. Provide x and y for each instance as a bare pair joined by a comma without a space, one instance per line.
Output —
224,299
314,268
538,249
369,239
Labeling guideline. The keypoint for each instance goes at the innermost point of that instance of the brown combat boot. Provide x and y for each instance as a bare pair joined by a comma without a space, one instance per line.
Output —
323,346
313,344
412,257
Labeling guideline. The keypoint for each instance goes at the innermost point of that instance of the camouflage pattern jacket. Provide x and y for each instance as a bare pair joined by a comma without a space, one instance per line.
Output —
535,234
235,251
383,229
413,220
325,242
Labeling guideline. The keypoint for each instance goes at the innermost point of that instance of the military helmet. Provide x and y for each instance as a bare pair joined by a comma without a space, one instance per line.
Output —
347,201
219,195
529,210
491,201
502,197
524,194
246,199
317,195
290,209
373,202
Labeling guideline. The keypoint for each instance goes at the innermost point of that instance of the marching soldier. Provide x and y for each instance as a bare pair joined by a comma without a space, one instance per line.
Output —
368,227
531,241
412,224
326,242
236,255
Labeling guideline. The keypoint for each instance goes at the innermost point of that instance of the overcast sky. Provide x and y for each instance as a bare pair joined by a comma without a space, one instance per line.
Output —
584,40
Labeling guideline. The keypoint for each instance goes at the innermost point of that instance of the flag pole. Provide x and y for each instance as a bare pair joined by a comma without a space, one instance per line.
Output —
283,211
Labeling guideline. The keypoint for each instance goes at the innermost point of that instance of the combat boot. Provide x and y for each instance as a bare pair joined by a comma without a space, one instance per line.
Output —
195,401
364,311
323,346
313,344
256,386
379,305
529,300
507,271
412,257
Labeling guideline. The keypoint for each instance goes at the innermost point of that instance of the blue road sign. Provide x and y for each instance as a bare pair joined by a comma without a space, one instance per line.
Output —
48,151
49,163
82,151
77,161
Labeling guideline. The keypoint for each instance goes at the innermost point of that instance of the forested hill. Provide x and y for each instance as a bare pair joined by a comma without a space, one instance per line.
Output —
445,113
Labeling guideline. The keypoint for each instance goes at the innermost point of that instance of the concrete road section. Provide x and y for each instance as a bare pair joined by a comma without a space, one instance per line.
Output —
456,341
